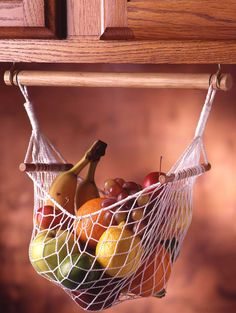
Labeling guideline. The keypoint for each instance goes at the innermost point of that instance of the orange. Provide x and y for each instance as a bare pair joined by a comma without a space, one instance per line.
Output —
152,276
90,229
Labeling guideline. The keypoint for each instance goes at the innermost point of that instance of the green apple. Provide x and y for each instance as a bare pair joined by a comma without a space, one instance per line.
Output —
49,248
79,271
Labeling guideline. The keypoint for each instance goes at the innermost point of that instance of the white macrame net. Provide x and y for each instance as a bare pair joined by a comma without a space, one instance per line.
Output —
128,262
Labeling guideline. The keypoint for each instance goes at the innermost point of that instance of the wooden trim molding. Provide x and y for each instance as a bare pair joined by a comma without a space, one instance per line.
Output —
39,19
114,21
133,51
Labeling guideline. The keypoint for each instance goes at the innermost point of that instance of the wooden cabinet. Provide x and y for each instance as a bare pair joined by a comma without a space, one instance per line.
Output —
170,20
31,19
122,31
182,19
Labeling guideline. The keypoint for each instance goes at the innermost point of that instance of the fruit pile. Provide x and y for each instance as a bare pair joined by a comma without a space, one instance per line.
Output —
96,243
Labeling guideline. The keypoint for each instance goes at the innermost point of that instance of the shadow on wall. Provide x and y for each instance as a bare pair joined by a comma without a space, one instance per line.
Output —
139,126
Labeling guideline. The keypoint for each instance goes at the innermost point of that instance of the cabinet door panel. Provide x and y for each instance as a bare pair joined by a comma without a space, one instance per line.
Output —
84,18
32,19
11,14
34,14
182,19
170,19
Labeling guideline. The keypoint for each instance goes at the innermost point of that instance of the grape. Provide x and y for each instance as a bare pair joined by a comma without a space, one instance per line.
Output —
108,218
108,201
132,192
129,204
126,207
120,181
131,186
137,214
124,194
108,184
120,217
115,190
143,200
140,187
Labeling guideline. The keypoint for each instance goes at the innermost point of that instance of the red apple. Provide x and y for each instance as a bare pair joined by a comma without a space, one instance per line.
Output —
152,178
49,217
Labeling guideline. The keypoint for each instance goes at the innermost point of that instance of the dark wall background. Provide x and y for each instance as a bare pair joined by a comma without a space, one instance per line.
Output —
139,126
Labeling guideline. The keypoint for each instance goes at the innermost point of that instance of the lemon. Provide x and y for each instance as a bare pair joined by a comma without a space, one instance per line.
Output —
119,252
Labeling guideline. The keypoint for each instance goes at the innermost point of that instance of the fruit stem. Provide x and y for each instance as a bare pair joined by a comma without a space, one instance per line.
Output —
97,150
94,153
91,171
160,164
77,168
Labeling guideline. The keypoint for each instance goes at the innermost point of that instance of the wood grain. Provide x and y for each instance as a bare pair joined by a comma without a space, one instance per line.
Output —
114,20
32,19
115,13
182,19
163,29
84,18
45,167
11,14
187,172
139,52
33,13
121,79
22,13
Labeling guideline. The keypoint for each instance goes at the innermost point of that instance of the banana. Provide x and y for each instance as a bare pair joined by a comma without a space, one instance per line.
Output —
64,186
87,189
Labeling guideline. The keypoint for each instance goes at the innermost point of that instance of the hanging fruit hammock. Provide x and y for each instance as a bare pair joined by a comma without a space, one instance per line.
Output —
106,246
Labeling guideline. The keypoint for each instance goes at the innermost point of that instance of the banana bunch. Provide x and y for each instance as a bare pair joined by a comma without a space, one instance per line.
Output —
66,190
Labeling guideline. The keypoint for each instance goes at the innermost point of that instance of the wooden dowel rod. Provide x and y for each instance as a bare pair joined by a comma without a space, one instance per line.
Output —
128,80
189,172
43,167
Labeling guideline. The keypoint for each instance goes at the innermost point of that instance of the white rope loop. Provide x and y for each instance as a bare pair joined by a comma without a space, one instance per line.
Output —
29,108
205,112
30,112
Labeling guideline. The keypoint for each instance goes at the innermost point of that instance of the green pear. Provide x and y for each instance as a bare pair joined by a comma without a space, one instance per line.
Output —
49,248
